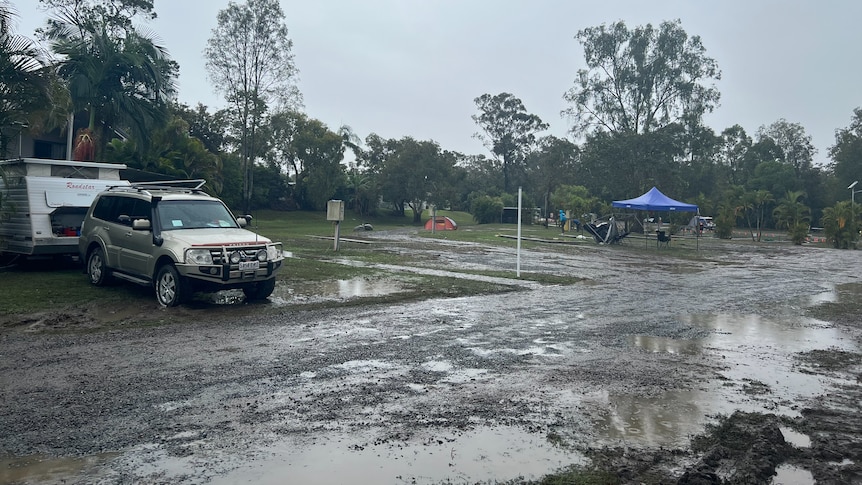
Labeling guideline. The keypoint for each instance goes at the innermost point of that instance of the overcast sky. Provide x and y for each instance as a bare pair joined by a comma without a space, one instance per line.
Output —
413,68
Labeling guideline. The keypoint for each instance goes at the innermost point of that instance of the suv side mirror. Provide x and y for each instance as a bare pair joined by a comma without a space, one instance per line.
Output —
141,224
244,220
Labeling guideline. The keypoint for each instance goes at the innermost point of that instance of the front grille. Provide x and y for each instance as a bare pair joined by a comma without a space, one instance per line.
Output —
222,255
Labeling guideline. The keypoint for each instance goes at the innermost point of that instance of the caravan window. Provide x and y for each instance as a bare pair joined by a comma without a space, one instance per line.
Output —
67,171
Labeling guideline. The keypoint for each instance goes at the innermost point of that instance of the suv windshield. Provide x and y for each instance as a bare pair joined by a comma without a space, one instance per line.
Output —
194,214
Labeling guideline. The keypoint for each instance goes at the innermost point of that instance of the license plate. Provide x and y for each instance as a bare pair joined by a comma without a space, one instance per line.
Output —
249,265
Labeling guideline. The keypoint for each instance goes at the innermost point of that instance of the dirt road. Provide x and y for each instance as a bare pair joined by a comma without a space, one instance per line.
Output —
621,371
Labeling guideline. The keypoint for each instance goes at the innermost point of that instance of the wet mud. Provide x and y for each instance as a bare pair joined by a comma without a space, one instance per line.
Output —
737,364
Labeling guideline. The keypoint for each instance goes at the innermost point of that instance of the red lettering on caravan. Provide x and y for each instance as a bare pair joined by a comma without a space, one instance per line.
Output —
70,185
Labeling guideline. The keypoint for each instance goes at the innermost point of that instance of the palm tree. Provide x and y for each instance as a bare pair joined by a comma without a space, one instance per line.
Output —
25,79
839,226
123,82
761,199
793,215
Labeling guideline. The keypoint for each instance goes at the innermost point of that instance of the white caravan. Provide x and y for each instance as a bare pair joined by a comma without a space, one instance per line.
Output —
42,202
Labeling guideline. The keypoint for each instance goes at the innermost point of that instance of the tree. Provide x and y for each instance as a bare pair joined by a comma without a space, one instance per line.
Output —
117,74
575,198
116,15
641,80
839,225
551,166
846,153
414,173
209,128
762,200
509,131
305,149
792,214
27,83
249,59
734,146
796,148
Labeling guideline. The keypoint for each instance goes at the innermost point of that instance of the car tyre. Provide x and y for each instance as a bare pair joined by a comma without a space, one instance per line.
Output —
260,290
171,288
97,269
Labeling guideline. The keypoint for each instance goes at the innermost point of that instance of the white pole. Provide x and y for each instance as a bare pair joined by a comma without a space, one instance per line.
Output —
518,266
70,136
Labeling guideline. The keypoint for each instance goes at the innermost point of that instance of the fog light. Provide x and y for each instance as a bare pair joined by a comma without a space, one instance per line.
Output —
235,257
261,255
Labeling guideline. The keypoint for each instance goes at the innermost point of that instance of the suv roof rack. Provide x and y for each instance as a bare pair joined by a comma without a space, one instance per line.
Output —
191,186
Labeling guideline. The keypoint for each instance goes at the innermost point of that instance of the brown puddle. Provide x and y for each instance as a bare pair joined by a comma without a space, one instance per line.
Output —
47,470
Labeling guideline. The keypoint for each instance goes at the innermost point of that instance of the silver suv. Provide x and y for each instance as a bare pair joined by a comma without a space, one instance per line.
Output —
178,239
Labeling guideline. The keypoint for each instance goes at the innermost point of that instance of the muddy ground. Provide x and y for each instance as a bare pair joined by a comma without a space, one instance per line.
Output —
738,364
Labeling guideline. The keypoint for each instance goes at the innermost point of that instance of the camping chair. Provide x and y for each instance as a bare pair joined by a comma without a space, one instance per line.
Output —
662,237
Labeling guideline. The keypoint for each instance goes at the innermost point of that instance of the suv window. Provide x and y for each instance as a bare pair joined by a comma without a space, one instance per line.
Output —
194,214
109,208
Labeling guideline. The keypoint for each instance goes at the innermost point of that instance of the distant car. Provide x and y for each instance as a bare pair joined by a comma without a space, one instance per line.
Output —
706,222
177,239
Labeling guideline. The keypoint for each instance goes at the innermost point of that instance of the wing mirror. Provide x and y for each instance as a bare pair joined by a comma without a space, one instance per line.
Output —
141,224
244,220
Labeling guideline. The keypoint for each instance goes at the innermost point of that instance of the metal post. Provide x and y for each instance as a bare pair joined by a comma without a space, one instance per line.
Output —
518,265
853,208
337,233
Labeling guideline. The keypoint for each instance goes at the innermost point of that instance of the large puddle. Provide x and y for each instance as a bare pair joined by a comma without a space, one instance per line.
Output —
483,455
761,376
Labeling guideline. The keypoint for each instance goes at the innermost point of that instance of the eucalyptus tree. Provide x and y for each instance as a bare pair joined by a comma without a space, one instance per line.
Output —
641,80
846,153
25,79
642,96
794,143
114,71
733,147
508,131
249,58
553,164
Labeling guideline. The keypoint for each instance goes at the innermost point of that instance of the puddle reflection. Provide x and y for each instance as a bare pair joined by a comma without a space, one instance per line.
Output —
754,350
485,454
336,290
792,475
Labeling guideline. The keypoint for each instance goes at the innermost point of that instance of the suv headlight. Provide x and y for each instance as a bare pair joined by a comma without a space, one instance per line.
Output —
199,256
272,252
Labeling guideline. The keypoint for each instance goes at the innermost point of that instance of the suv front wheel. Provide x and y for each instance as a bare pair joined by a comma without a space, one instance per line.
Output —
260,290
171,288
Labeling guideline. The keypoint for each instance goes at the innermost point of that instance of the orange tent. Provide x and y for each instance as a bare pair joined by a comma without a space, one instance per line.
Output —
441,223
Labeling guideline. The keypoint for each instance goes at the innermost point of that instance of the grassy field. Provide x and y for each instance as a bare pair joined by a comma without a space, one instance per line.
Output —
307,236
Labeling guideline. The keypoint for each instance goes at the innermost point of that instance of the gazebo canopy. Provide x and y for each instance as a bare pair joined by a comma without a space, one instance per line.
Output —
654,200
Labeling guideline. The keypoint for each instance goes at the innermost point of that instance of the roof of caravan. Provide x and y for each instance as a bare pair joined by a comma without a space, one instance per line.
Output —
70,163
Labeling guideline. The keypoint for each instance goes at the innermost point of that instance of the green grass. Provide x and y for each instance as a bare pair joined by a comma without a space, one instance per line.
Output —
37,290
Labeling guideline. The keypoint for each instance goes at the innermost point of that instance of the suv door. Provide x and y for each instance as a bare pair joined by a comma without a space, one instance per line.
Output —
136,246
